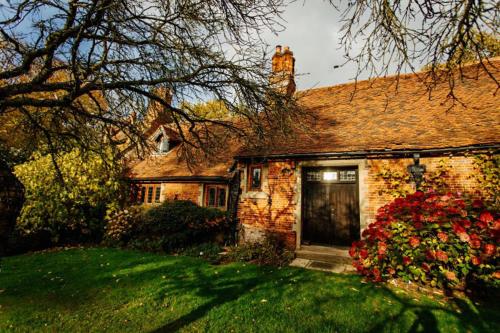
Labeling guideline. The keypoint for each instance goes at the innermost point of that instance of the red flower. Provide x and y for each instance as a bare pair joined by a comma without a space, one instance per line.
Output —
489,249
477,203
353,251
358,266
363,253
430,255
460,203
414,241
381,235
443,237
391,271
475,260
481,225
382,247
466,223
475,241
441,255
445,197
464,237
496,225
426,267
458,229
450,275
406,261
486,217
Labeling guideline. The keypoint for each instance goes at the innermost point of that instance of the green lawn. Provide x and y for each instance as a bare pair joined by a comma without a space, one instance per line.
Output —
116,291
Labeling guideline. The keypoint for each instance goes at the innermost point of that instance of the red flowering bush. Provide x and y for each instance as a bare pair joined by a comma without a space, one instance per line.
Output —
441,240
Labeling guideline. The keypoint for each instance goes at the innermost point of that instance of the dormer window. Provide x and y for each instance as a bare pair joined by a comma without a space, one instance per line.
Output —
162,144
163,141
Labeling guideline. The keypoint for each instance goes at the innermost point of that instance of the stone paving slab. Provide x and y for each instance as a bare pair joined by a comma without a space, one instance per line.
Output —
322,266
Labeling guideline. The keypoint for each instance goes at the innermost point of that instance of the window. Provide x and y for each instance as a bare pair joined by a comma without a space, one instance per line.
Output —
348,175
215,196
143,194
314,176
221,197
212,193
158,193
150,193
332,175
255,179
162,144
329,176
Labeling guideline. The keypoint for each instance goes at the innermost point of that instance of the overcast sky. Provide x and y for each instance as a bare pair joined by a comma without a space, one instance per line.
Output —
312,30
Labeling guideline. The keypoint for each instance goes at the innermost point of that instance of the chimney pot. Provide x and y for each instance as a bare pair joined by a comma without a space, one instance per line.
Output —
283,69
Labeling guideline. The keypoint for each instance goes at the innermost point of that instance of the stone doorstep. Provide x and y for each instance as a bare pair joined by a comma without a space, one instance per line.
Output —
324,258
322,265
332,255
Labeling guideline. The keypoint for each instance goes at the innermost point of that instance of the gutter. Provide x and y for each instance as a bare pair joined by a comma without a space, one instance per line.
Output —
182,179
382,153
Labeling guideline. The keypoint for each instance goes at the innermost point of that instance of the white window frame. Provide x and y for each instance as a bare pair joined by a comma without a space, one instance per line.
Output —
160,148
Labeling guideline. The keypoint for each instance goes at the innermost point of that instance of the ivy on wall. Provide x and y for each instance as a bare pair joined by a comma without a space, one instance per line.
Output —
437,179
488,178
397,182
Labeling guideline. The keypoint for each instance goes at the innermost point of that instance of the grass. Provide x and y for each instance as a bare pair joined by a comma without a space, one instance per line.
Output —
84,290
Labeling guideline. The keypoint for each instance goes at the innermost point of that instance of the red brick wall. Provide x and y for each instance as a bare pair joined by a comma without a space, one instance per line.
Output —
273,209
459,178
181,191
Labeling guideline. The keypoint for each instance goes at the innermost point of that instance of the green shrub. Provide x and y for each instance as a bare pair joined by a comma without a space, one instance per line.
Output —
208,251
439,240
121,224
271,251
174,225
71,210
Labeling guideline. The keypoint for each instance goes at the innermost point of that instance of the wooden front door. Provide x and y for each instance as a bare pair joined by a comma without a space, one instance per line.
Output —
330,206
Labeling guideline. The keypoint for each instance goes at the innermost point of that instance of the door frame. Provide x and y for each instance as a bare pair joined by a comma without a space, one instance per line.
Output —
362,167
304,185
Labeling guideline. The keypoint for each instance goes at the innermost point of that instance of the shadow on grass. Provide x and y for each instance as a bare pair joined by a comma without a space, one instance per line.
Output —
206,288
470,320
201,288
223,288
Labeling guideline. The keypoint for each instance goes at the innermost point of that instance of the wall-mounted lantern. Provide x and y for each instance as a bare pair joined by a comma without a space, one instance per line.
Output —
417,171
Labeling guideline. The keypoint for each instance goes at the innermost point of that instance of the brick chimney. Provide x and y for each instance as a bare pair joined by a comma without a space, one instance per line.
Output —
157,113
283,70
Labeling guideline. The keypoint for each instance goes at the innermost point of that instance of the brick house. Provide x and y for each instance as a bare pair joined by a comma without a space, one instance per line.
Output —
324,184
164,175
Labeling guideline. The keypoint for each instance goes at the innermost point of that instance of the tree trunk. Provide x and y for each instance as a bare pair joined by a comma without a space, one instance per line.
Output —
11,202
234,195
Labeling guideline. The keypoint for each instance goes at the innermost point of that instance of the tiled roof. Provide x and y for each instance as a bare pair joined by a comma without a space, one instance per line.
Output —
373,115
172,165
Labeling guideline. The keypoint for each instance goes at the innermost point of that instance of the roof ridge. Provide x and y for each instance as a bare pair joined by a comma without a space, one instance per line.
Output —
392,76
